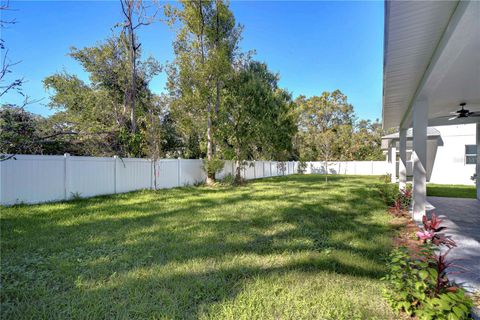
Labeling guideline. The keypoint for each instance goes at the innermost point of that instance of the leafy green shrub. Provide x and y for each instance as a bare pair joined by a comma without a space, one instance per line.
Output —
402,201
229,180
418,284
416,287
213,166
388,191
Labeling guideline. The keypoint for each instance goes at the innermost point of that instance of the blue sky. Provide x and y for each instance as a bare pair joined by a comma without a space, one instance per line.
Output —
315,46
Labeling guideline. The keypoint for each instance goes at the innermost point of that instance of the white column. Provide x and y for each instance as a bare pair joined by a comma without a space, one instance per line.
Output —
402,164
478,160
393,162
419,157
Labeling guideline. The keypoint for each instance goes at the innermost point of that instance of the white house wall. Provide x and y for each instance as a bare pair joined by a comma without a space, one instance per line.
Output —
449,166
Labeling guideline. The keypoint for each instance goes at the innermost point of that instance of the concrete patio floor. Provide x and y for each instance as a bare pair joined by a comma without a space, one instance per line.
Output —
462,218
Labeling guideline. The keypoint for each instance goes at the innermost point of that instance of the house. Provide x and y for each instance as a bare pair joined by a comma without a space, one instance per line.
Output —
451,154
431,69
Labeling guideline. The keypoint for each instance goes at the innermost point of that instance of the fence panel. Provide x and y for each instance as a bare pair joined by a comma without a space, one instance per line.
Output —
167,173
191,172
132,174
32,179
228,169
90,176
259,169
249,170
267,167
274,168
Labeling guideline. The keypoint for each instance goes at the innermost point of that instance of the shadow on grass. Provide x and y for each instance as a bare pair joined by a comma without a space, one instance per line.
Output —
173,253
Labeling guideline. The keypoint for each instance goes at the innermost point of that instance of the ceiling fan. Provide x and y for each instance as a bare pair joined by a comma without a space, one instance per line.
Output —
463,113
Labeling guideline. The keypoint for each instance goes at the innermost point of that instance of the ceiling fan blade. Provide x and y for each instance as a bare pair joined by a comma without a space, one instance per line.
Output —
452,118
474,114
453,112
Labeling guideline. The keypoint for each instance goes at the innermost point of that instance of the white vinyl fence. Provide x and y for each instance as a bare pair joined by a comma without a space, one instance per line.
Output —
37,178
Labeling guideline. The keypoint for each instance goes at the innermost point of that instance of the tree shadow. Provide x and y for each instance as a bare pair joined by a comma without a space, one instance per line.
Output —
173,252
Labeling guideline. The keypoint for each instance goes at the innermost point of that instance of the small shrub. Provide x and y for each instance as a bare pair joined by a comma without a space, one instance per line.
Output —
75,195
198,183
213,166
403,199
419,287
398,200
388,191
229,180
418,282
431,232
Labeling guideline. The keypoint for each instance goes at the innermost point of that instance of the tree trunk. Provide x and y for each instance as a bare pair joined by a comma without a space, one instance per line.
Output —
210,175
217,83
238,169
133,70
326,170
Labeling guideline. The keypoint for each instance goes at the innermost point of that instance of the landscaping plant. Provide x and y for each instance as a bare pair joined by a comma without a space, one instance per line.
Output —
388,190
418,279
398,200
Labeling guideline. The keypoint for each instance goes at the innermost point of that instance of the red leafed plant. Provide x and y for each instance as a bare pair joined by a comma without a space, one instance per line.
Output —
401,202
431,231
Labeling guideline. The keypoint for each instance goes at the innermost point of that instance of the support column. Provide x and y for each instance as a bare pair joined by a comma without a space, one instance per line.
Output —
478,160
402,164
419,157
392,160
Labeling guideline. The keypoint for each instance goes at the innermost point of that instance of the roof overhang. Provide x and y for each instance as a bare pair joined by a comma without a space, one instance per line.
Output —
431,132
431,52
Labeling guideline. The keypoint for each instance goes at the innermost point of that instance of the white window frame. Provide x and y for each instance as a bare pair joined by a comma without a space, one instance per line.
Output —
470,154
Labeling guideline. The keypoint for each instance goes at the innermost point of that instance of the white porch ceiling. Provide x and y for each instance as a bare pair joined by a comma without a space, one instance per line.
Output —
432,51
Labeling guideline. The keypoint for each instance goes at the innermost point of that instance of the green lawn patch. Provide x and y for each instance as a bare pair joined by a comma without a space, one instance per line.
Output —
451,190
278,248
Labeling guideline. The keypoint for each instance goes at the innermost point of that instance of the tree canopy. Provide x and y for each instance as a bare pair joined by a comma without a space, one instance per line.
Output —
219,102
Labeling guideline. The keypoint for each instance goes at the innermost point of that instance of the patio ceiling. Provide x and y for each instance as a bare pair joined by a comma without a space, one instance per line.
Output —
431,52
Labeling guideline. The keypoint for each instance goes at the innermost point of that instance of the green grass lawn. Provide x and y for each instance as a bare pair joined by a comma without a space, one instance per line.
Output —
451,190
278,248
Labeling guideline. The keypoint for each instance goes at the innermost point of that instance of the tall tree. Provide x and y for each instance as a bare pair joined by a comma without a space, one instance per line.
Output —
135,15
319,114
257,121
325,141
204,48
97,110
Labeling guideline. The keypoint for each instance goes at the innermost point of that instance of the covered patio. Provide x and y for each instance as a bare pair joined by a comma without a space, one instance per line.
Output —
463,228
431,67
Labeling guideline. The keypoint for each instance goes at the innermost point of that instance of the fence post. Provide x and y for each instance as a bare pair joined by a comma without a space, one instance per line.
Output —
254,170
115,174
66,173
179,171
152,173
372,166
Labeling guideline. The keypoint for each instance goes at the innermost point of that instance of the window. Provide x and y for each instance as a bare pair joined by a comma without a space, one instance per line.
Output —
470,154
